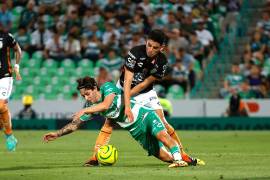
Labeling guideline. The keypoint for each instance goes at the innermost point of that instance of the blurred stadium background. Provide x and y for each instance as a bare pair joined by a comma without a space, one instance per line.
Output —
216,49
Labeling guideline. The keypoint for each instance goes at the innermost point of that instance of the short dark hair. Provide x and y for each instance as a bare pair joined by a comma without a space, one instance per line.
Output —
158,36
87,82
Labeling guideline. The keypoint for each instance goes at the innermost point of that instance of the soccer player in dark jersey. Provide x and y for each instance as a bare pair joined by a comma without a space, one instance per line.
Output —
6,80
144,64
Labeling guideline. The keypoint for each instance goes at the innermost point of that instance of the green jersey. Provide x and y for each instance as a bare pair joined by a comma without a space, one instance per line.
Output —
116,110
146,122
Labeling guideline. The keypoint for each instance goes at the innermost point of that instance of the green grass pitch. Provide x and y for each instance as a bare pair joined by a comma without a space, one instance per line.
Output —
229,155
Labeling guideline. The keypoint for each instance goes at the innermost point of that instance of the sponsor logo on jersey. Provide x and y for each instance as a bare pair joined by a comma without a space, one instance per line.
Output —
142,58
130,62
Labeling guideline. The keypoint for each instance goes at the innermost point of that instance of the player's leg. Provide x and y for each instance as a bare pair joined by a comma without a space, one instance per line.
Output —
164,155
5,92
102,139
5,119
170,129
158,130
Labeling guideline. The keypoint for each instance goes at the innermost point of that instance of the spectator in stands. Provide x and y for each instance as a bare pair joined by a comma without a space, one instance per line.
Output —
23,38
92,48
39,37
246,64
55,48
61,28
232,81
257,81
92,31
171,22
257,43
89,19
50,6
110,34
196,49
72,47
135,41
73,20
188,61
27,112
177,40
147,7
187,23
180,75
160,18
28,16
112,63
103,76
136,24
205,37
264,24
5,18
123,16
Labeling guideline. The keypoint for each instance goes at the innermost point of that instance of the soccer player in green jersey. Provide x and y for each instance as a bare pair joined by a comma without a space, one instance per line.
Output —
146,128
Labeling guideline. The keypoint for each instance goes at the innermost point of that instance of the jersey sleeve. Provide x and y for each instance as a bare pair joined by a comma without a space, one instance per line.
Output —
109,88
131,60
160,70
11,42
85,117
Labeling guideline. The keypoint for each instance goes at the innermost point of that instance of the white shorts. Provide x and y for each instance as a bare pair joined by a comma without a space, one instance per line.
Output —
5,87
149,99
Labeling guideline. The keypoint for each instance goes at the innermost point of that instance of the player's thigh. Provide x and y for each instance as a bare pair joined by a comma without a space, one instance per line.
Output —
154,124
149,99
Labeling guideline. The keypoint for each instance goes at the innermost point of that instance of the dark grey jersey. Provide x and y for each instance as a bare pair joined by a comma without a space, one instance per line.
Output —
142,66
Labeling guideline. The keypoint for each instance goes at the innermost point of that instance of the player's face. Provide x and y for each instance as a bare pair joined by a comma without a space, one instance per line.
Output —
90,95
152,48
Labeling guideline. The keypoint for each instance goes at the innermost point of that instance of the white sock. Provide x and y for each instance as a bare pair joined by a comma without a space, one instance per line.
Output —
177,156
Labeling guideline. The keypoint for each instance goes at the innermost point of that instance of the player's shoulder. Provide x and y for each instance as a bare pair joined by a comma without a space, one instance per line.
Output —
137,51
107,85
162,59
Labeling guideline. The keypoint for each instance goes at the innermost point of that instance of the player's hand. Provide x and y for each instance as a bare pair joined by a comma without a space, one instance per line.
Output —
50,136
129,114
18,75
77,115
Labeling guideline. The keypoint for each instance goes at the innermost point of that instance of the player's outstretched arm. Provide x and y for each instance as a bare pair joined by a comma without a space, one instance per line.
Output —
69,128
127,88
18,54
138,88
100,107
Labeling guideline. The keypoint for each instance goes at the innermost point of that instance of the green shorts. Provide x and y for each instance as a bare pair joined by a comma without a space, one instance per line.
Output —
145,129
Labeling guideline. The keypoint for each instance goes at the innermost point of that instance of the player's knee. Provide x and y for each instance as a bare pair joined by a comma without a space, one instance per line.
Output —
163,137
